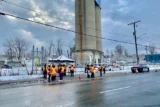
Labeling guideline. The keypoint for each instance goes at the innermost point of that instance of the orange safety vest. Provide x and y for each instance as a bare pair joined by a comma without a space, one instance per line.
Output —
92,69
103,68
54,73
62,70
72,68
100,68
65,68
56,69
49,71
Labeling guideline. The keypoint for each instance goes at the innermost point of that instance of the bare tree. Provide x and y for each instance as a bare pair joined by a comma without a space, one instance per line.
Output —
9,49
20,46
126,53
51,49
146,49
112,54
15,48
152,49
107,53
119,49
72,48
59,47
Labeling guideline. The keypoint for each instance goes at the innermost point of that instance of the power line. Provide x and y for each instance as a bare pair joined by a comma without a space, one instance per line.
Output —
62,19
58,18
28,20
65,20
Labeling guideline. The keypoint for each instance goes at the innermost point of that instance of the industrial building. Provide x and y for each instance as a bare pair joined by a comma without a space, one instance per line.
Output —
88,31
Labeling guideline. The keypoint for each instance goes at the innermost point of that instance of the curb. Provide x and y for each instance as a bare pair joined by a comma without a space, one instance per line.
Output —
41,81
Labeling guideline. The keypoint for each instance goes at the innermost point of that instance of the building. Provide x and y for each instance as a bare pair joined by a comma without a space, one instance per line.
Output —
88,27
154,58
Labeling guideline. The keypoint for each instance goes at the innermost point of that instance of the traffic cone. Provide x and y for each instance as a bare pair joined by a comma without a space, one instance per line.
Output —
136,71
31,73
79,78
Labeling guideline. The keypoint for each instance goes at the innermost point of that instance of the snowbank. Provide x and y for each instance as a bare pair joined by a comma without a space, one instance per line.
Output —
21,77
18,71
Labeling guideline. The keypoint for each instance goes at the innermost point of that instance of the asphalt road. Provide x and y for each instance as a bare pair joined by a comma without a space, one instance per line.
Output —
142,90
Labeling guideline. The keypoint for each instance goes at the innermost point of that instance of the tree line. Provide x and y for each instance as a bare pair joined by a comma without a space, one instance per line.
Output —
18,48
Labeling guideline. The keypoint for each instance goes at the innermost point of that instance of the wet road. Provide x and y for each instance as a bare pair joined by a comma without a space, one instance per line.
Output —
142,90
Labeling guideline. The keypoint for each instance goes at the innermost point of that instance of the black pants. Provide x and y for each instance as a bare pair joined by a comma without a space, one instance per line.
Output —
64,73
92,75
85,70
53,78
61,76
104,71
49,78
72,74
100,73
88,76
45,75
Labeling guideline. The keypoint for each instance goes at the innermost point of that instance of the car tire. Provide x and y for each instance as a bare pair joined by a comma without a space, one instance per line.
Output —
133,71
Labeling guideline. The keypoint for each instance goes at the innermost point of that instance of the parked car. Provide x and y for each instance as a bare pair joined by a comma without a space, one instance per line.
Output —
140,68
109,68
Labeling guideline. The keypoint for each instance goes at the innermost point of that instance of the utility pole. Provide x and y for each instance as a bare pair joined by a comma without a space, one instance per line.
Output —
146,48
135,37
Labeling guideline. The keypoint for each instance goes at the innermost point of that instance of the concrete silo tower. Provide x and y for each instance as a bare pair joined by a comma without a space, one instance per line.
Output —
88,27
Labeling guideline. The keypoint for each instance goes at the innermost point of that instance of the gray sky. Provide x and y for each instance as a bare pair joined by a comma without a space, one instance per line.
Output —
116,14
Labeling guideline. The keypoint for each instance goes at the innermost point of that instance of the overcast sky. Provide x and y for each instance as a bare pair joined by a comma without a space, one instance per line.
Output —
116,14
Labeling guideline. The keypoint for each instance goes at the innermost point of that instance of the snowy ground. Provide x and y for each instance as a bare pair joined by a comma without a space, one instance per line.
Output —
20,77
20,73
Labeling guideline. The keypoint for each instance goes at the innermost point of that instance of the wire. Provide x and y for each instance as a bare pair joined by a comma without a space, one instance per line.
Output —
6,14
64,20
8,27
59,18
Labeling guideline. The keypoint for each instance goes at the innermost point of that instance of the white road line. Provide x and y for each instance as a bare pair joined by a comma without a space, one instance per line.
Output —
115,89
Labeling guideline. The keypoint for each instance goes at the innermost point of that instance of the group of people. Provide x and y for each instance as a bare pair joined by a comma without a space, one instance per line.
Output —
90,70
52,71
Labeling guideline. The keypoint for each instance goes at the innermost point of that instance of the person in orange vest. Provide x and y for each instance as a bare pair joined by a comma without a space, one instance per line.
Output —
49,71
44,69
100,70
92,71
62,72
72,70
65,69
53,73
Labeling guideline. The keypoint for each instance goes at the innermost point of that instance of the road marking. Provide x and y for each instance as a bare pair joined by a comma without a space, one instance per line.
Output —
115,89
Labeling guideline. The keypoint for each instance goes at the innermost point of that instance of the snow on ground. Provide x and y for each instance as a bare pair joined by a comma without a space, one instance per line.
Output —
17,71
20,73
21,77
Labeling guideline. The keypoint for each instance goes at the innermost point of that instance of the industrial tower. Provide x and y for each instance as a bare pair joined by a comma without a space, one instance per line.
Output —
88,27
